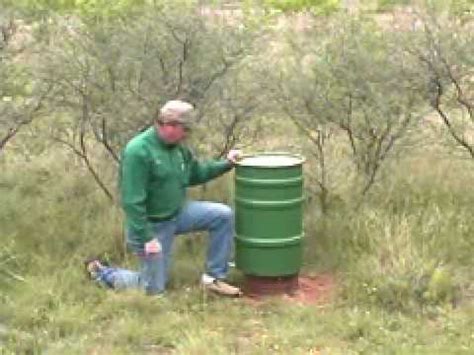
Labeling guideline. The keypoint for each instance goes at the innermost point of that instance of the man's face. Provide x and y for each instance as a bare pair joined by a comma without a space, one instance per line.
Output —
172,132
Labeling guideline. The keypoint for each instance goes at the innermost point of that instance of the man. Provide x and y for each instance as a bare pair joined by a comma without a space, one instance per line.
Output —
156,170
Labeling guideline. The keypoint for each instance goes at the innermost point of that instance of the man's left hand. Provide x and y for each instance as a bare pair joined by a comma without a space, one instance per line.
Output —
234,155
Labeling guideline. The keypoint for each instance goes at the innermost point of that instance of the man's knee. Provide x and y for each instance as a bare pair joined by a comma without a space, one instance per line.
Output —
225,213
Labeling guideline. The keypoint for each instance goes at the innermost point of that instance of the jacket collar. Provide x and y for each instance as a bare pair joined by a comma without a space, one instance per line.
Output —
152,132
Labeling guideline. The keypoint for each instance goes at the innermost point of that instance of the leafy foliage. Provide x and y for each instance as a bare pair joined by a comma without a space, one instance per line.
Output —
89,9
442,49
21,96
315,6
343,84
110,79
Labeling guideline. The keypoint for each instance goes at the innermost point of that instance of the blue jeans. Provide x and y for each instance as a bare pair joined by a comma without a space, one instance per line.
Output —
216,218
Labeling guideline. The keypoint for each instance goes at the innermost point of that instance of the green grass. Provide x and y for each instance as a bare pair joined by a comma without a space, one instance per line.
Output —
403,260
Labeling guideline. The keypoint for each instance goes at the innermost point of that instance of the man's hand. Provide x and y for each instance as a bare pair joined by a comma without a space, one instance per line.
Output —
152,247
234,155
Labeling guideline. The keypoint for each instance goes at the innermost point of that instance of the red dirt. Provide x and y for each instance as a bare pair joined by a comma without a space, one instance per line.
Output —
312,289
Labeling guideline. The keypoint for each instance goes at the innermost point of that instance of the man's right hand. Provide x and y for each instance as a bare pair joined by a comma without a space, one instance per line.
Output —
234,155
152,247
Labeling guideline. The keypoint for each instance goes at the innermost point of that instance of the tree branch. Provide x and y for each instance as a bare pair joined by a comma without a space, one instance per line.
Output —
437,105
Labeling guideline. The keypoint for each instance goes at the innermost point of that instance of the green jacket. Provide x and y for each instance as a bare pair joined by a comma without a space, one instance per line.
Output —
153,180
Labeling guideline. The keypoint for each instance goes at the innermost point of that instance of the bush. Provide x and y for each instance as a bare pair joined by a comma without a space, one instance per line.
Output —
315,6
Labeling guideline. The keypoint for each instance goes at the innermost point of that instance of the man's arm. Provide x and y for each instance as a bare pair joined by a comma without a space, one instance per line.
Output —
203,171
133,188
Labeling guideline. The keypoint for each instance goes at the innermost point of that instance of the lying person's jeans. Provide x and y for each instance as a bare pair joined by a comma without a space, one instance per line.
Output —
217,218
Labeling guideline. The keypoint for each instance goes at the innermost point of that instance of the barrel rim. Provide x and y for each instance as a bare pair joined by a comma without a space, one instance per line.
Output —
301,159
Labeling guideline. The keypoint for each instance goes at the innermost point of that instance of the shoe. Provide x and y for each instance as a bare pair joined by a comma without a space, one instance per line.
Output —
219,287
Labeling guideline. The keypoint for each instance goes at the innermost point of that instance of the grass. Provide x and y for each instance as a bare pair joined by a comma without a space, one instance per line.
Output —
403,259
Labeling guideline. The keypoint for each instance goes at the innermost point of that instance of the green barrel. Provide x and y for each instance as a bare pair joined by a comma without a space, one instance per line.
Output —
269,214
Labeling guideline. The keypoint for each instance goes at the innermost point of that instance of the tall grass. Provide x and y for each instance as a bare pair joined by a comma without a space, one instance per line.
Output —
402,258
410,243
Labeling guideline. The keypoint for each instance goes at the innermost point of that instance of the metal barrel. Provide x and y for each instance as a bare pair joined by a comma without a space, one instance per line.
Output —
269,214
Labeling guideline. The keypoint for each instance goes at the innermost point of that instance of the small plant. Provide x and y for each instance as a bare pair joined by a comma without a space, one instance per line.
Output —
8,265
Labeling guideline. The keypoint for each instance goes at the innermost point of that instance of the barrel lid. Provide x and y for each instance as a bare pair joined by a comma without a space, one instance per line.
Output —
271,160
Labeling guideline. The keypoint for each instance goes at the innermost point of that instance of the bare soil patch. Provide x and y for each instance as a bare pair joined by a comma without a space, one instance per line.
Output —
312,289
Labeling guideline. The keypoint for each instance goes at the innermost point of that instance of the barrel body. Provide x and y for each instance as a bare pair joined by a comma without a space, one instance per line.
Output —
268,214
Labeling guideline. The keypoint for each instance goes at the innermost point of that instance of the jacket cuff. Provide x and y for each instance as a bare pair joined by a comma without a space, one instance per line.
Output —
225,165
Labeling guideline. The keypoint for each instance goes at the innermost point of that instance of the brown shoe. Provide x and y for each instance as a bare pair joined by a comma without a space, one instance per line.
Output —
222,288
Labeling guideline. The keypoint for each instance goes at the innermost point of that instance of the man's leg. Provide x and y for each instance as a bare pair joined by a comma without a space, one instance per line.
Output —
218,219
154,267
